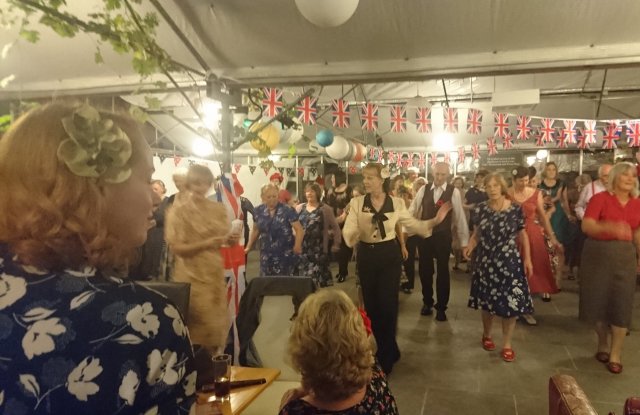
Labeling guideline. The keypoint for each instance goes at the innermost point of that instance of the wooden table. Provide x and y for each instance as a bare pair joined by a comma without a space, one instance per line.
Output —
240,397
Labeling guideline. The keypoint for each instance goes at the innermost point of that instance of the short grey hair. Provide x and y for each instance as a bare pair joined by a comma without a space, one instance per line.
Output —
618,169
601,169
268,186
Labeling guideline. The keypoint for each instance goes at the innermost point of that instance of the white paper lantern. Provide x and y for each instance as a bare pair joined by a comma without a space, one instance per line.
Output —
315,148
339,149
327,13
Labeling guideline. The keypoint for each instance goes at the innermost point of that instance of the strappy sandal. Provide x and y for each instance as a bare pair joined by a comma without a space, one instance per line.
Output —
488,344
508,355
615,368
602,357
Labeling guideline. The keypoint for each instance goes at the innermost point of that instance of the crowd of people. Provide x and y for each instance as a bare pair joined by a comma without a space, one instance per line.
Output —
78,203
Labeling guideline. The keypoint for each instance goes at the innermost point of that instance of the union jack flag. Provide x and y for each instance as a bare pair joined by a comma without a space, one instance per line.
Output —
369,116
633,133
373,153
492,147
611,135
569,131
582,140
433,158
461,154
450,120
340,114
352,169
398,118
589,131
561,141
447,158
507,142
423,120
391,156
538,136
272,102
523,128
547,130
474,121
475,151
307,110
410,160
422,160
501,124
400,159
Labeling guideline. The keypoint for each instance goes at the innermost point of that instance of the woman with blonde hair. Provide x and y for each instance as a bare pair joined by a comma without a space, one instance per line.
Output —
330,348
610,261
76,200
196,228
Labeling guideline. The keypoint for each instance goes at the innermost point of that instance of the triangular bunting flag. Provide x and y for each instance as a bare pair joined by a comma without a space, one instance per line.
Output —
492,147
176,160
162,158
266,170
252,169
289,171
281,170
300,171
237,167
475,151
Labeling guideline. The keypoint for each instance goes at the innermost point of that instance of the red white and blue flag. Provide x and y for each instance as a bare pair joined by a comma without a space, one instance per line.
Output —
538,136
450,120
547,130
340,114
433,157
369,116
492,147
569,131
561,141
523,127
633,133
582,140
399,118
272,102
589,131
307,110
447,158
461,154
474,121
400,160
611,135
475,151
422,160
373,153
507,142
423,120
501,124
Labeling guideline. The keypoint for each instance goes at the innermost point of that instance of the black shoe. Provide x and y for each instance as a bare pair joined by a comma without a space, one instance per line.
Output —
426,311
546,298
341,278
441,316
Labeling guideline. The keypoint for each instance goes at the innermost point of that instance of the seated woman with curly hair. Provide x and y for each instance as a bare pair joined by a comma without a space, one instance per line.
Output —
330,348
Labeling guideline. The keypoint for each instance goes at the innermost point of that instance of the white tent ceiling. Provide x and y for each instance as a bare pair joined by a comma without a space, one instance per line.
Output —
394,51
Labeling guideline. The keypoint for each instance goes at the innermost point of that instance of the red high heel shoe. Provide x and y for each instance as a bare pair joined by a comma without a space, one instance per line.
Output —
508,355
488,344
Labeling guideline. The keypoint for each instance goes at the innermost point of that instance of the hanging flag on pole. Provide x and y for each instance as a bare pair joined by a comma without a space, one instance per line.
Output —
399,118
272,102
423,120
474,121
307,110
523,128
369,116
450,120
501,125
340,114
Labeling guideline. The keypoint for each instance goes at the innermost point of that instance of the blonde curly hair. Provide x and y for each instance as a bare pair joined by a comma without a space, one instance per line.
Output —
329,346
52,218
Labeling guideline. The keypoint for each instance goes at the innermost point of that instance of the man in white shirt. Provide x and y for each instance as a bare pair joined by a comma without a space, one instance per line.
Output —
591,189
425,206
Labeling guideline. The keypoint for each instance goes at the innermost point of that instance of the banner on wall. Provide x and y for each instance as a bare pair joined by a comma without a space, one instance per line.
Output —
504,159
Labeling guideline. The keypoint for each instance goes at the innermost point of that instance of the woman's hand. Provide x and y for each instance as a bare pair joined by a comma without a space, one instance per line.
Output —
297,249
405,253
442,212
466,252
528,267
621,230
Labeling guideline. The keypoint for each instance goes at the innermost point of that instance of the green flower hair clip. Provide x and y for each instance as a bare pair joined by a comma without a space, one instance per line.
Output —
95,147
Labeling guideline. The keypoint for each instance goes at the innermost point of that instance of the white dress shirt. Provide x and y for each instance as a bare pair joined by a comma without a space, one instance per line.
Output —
459,218
586,194
359,227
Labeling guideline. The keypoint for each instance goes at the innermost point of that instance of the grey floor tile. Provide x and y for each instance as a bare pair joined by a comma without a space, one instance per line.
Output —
446,402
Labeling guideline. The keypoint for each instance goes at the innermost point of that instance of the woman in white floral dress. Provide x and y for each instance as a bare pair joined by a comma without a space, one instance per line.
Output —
499,286
76,199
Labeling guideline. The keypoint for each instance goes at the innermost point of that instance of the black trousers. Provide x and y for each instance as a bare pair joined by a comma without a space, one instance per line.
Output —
410,264
344,256
379,267
437,247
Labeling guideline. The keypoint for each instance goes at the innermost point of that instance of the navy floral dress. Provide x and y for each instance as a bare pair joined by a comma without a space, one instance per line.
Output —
314,262
377,400
276,240
499,285
77,342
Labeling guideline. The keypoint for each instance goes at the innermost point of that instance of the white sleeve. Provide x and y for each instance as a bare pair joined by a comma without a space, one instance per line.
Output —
460,218
581,204
350,231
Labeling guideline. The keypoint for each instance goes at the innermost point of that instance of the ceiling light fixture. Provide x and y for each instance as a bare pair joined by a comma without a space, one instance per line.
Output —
327,13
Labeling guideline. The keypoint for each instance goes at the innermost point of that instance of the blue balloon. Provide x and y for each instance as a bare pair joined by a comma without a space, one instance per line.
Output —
324,138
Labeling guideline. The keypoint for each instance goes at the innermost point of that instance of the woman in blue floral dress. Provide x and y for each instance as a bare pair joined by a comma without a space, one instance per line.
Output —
499,286
318,222
280,233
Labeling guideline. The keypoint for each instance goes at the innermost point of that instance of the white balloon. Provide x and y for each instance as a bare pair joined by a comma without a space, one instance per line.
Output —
327,13
315,148
339,149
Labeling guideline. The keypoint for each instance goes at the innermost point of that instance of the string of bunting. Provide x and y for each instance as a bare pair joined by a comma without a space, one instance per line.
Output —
544,131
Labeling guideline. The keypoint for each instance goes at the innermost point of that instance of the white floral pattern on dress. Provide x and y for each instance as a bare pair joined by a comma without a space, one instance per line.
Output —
142,321
162,367
11,290
79,381
129,387
39,337
178,325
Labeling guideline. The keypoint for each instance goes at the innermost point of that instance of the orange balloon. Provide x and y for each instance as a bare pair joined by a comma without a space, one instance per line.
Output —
270,137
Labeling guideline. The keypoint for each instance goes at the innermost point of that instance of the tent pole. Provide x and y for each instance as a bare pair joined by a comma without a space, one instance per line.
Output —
581,161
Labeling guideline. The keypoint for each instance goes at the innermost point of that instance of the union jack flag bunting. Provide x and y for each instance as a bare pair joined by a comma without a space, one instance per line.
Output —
474,121
492,147
611,135
589,131
507,142
561,141
272,102
433,159
633,133
447,158
523,128
410,159
475,151
398,118
369,117
422,160
373,153
538,136
340,114
423,120
399,160
307,110
547,131
450,120
352,169
569,132
582,140
501,124
461,154
391,156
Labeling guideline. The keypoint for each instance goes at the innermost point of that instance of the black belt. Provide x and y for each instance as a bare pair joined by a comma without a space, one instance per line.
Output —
378,245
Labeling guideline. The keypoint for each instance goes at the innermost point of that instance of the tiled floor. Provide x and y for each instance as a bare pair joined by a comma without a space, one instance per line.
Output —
444,369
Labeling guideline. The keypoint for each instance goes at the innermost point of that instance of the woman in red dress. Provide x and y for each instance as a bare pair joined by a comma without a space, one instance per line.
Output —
542,280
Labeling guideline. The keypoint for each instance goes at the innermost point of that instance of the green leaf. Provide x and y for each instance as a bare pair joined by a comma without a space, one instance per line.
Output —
61,27
292,150
152,102
5,122
138,114
97,57
113,4
30,35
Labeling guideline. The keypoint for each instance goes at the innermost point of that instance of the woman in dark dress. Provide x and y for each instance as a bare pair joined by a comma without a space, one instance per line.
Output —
338,195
